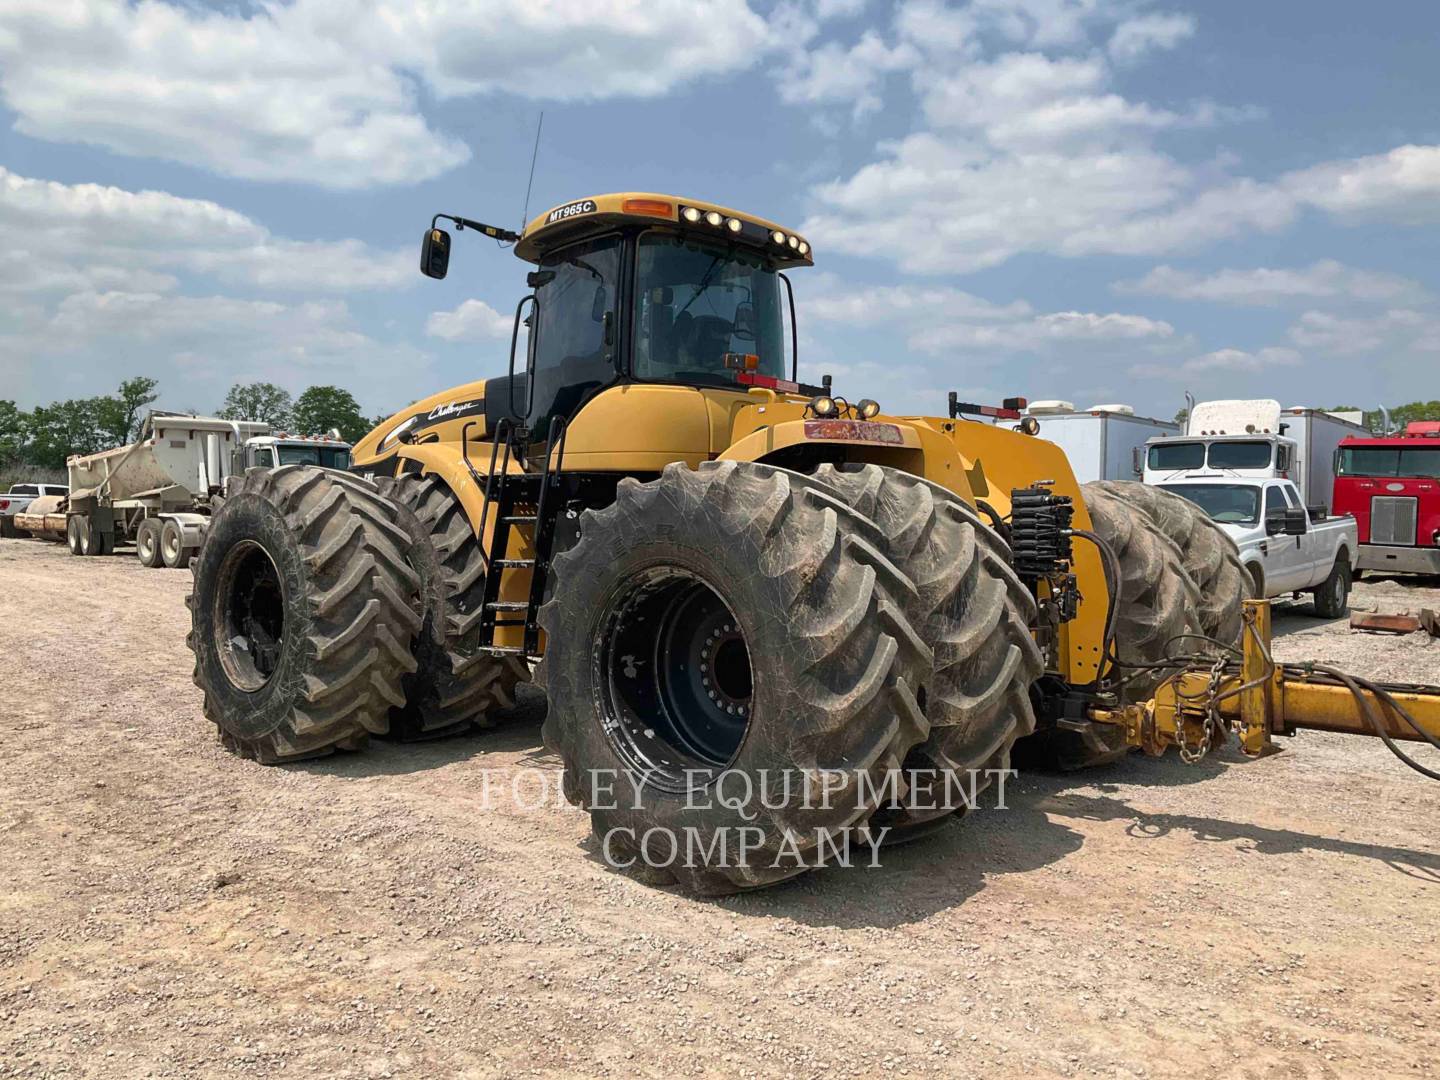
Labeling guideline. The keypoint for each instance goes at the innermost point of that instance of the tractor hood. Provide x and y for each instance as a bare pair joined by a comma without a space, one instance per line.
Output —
443,416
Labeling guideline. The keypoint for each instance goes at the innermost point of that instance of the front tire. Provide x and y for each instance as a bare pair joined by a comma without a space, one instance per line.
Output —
302,614
454,685
732,625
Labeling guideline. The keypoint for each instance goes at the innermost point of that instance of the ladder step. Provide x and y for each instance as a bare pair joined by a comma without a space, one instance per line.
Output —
506,564
508,605
518,519
503,650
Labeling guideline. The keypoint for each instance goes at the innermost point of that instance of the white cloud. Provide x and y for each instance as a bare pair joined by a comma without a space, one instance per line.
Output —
938,320
94,234
325,91
1264,287
474,320
1402,185
1135,37
1222,362
1397,331
198,345
832,74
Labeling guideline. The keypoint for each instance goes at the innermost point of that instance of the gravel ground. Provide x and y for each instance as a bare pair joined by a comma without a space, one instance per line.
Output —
168,910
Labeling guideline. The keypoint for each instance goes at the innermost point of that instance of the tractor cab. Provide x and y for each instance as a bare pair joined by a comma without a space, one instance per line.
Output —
639,288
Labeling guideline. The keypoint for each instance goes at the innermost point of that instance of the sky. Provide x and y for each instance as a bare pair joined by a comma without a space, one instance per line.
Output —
1093,200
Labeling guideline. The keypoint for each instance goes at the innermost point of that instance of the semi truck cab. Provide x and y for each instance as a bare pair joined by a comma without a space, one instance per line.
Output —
1391,484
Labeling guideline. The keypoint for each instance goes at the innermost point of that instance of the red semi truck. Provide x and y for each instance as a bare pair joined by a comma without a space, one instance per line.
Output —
1391,484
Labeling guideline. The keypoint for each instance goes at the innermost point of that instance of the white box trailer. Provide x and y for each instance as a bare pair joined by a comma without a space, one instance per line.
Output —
1103,442
1255,440
158,492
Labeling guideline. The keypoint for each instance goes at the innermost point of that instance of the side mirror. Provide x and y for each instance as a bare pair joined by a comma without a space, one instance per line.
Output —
435,253
1137,460
1318,511
1287,520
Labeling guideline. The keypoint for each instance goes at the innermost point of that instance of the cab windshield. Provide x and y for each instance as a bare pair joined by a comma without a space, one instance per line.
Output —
327,457
695,302
1228,504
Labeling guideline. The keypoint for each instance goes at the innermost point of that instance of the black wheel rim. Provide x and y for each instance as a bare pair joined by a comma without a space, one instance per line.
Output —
249,622
677,687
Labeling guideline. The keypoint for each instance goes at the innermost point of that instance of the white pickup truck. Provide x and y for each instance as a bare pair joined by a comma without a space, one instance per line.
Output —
18,499
1286,546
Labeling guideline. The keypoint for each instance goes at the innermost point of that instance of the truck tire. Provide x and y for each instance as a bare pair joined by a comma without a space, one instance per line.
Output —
975,615
7,528
1211,558
729,648
454,685
1332,598
147,543
172,546
90,542
302,613
72,533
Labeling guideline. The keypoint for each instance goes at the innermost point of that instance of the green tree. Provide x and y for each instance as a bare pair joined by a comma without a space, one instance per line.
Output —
12,434
120,414
321,408
53,432
261,401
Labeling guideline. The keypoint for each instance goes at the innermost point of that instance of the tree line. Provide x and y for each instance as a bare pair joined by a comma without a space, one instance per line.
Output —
43,437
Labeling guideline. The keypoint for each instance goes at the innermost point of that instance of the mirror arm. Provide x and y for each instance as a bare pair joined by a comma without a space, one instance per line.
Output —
462,223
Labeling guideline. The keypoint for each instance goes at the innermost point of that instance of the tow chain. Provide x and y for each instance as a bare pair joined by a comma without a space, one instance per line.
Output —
1191,754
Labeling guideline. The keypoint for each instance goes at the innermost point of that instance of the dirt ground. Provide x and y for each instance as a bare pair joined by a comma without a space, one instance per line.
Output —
168,910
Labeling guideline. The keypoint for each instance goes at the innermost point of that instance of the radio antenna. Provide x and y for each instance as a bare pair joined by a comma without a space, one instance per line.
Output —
525,213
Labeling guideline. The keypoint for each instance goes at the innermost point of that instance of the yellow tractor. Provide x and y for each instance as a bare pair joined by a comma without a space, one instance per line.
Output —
771,617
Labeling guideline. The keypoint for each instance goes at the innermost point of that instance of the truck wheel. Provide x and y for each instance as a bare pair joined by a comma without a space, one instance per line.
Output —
90,542
1332,598
732,675
974,613
72,533
1211,558
172,545
454,685
302,614
147,543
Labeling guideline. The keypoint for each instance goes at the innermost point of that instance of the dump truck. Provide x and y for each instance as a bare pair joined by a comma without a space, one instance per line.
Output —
770,617
159,492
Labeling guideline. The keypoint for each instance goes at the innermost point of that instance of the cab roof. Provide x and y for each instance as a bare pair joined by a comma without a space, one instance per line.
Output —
597,214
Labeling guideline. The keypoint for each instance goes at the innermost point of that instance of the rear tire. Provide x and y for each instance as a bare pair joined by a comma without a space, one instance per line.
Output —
974,613
302,614
454,685
1156,602
172,545
90,543
147,543
734,625
1211,558
72,533
1332,598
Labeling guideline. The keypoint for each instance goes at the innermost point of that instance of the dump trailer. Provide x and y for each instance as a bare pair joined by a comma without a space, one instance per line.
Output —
771,617
159,492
